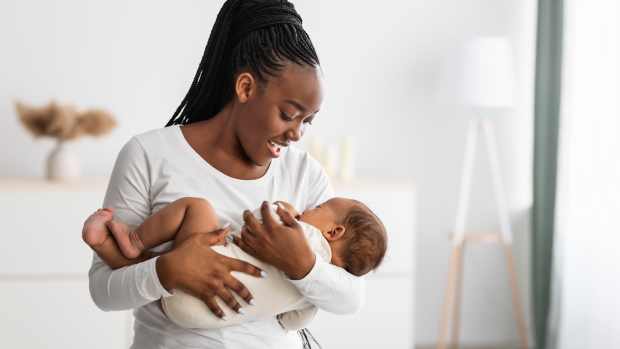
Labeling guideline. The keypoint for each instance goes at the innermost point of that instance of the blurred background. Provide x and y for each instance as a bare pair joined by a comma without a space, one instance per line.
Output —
391,127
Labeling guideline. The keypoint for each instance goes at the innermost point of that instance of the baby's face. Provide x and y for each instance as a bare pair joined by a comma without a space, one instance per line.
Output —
327,217
327,214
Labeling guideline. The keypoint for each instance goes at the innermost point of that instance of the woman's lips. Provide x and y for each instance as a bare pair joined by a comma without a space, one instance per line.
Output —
274,148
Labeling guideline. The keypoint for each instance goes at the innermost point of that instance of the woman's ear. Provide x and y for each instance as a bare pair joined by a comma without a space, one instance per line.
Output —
336,233
245,86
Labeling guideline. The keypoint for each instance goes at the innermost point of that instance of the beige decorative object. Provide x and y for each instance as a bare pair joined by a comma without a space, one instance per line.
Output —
64,123
347,159
330,158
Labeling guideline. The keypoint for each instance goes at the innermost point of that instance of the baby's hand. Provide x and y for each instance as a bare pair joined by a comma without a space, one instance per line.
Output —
288,207
222,235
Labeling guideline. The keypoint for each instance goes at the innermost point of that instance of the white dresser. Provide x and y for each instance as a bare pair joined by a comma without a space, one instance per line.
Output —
44,297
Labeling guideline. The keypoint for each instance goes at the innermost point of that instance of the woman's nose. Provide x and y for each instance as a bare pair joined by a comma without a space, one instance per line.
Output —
295,133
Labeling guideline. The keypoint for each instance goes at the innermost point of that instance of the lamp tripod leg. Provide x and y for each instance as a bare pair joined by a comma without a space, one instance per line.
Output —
451,294
517,305
458,286
452,300
504,220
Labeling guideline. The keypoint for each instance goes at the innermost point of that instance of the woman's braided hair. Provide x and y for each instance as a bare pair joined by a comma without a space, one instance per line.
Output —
257,35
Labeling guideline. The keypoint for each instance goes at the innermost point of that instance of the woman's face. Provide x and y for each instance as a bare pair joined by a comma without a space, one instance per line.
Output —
278,112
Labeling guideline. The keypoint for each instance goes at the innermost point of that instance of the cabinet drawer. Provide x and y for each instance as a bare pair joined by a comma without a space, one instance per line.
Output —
43,231
386,320
57,314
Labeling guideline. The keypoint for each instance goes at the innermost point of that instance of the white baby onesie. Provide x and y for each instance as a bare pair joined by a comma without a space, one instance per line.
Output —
273,295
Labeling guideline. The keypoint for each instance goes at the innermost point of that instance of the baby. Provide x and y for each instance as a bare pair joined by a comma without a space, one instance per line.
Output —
341,231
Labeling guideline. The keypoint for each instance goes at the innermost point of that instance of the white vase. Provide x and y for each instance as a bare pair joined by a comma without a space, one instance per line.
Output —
62,163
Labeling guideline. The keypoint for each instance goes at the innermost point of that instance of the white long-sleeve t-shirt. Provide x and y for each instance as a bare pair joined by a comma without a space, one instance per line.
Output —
158,167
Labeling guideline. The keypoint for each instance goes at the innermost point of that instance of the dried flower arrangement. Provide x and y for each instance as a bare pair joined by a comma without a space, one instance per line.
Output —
64,122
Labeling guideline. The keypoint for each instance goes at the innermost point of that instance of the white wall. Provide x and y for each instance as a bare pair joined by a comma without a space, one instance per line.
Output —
381,61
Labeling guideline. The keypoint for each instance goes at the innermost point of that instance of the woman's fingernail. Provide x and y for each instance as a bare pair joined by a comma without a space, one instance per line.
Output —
241,311
251,302
263,274
224,317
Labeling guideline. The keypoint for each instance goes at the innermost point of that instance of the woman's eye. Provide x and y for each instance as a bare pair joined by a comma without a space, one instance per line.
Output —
309,122
286,117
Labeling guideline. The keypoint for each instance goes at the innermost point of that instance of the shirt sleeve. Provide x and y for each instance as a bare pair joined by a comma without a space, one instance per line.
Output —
327,286
332,288
128,193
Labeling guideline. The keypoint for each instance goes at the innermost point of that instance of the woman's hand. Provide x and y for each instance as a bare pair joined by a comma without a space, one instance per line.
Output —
197,269
283,246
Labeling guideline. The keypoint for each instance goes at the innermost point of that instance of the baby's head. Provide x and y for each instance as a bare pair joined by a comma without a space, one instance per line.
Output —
356,235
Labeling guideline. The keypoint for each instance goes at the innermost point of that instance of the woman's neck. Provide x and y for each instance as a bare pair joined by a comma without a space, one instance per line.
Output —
216,142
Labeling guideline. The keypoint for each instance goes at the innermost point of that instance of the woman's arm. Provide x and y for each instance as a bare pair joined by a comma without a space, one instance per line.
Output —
128,193
325,285
192,266
329,287
284,246
332,288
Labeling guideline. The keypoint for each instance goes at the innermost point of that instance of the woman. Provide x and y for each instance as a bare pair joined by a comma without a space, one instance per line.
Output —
256,89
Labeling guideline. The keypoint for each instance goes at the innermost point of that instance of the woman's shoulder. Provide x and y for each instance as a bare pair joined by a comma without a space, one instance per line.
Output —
308,178
156,136
154,141
299,165
295,157
150,145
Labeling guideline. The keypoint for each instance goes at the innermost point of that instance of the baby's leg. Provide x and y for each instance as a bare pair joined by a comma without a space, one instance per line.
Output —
94,232
175,221
96,235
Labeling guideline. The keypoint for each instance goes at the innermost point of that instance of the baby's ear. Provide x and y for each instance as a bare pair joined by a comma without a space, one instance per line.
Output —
336,233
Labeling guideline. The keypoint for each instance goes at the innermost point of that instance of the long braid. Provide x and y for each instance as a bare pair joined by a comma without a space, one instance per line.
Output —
259,35
211,58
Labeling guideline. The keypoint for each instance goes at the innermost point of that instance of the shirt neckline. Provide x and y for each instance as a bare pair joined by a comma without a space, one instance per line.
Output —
205,164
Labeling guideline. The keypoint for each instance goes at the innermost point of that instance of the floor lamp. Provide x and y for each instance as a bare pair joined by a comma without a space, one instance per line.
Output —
482,78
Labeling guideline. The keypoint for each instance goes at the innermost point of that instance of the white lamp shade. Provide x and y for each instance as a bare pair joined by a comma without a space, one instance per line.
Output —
482,73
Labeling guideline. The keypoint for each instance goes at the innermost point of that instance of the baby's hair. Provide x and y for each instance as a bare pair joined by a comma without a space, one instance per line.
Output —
366,240
260,36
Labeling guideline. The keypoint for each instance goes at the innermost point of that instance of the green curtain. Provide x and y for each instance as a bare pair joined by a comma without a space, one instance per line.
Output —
546,124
